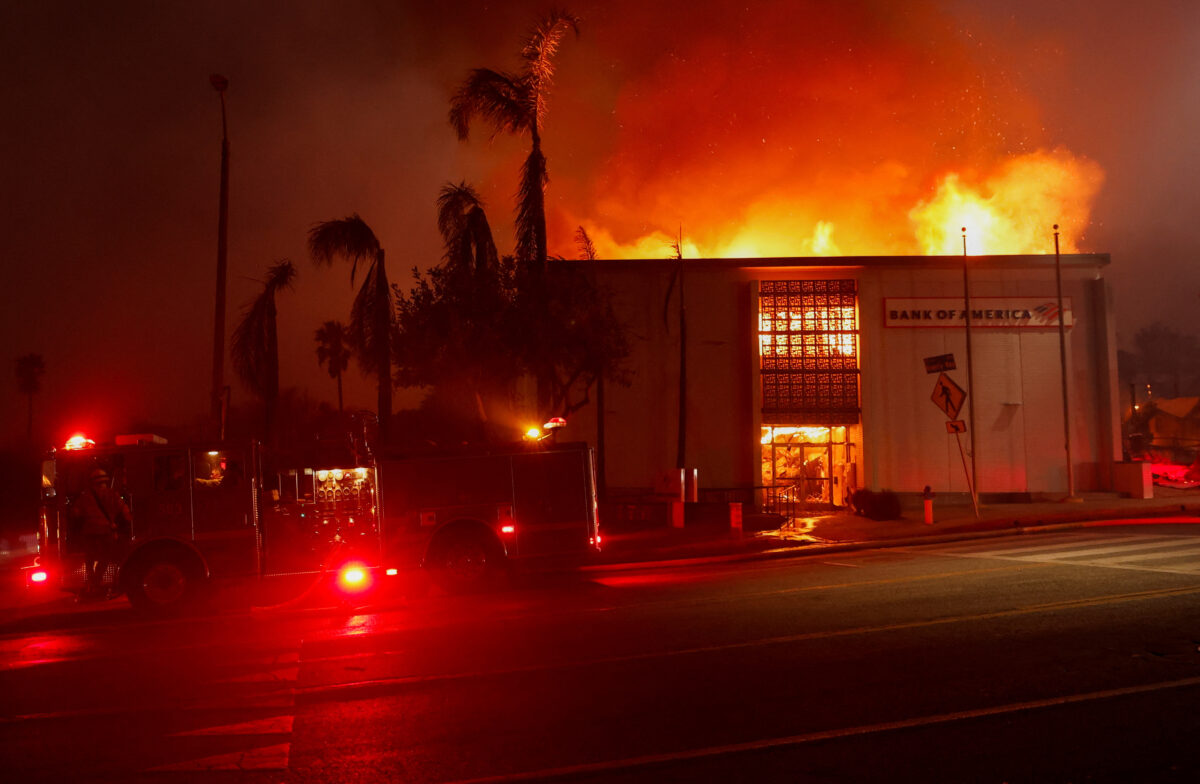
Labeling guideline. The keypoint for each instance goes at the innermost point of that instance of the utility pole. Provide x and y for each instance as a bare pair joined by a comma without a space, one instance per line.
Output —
220,84
970,378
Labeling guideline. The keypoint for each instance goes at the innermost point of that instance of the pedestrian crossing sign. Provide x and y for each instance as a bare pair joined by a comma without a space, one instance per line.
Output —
948,396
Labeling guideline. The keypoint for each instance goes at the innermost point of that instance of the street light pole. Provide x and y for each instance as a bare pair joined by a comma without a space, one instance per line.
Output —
1062,357
970,380
220,84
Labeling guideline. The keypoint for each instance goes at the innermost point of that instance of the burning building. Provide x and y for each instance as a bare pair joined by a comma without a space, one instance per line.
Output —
810,377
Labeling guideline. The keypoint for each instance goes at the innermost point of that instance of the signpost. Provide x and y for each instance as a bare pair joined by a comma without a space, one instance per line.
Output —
939,363
949,397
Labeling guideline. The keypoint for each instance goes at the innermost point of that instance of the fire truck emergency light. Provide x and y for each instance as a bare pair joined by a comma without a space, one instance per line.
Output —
40,576
354,578
79,441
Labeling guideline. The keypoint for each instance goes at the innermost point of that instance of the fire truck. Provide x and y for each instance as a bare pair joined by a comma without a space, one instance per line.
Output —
202,512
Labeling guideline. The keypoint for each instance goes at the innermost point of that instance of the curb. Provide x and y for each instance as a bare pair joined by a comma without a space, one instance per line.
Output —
814,548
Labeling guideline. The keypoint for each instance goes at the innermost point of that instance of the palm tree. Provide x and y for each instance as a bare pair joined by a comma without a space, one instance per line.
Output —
30,369
516,103
372,317
333,352
465,230
255,346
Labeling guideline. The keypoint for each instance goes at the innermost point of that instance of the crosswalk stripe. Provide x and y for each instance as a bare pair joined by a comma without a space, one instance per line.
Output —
272,725
1122,548
1180,553
1047,544
273,757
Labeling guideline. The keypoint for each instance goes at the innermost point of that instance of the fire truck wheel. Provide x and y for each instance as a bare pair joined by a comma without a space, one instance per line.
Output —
466,562
162,583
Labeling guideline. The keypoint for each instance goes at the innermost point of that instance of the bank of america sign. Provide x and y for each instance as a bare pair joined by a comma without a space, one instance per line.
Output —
1000,312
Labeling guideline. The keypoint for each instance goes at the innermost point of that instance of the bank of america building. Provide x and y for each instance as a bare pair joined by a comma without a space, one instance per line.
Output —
812,377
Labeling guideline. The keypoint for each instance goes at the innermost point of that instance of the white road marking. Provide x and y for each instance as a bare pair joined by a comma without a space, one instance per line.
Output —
1049,544
1118,552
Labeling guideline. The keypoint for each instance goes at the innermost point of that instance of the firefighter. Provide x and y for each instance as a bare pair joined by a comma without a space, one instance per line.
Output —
104,517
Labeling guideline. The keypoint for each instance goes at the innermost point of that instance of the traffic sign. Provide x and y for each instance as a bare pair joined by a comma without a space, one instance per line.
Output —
948,396
939,363
956,426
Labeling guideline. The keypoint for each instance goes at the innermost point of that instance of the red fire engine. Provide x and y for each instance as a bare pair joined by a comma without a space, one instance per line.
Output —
205,511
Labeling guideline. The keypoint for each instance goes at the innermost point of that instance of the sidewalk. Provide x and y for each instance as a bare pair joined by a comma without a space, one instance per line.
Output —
844,531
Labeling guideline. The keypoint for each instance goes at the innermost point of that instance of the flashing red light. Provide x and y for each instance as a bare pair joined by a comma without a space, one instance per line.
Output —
354,578
508,529
40,576
393,572
78,441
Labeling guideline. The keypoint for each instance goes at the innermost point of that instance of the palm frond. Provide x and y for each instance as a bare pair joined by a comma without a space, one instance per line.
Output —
587,251
349,238
500,99
465,230
280,275
371,311
538,52
255,349
250,348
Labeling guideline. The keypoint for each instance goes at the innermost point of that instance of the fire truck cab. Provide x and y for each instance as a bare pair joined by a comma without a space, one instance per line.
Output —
194,514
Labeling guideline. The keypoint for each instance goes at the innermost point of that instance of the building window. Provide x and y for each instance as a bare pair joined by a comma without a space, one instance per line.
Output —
808,351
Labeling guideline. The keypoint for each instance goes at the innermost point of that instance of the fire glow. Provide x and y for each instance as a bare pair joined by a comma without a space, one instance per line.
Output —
860,132
1010,210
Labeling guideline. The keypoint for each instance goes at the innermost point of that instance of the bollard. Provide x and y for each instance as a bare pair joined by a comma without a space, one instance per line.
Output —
675,511
928,496
735,519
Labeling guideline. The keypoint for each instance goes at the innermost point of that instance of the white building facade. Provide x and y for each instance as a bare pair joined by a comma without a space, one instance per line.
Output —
811,377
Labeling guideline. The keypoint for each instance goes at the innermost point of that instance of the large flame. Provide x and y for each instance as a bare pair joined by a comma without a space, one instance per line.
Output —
808,128
1011,209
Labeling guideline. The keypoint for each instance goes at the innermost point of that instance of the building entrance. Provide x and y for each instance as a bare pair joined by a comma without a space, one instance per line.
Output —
806,468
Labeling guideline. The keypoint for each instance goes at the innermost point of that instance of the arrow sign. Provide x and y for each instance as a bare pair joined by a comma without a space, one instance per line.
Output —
948,396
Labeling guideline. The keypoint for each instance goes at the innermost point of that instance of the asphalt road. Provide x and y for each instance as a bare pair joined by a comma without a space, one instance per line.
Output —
1069,656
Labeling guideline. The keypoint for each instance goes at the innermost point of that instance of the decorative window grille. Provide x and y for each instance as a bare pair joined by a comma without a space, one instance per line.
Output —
808,351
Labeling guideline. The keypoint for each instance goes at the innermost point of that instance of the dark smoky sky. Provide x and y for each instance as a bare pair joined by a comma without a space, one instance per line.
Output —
111,143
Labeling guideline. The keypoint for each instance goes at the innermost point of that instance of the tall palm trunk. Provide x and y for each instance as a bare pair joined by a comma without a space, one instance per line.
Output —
537,195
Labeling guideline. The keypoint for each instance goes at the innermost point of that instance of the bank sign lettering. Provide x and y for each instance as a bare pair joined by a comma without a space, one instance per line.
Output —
996,312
